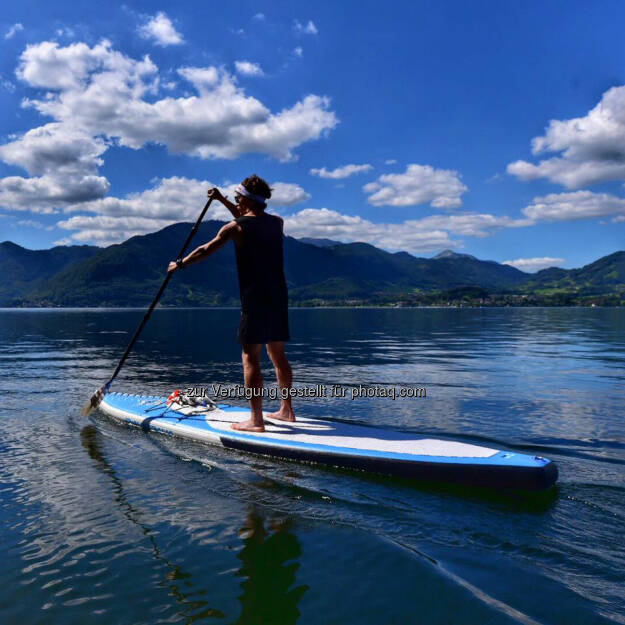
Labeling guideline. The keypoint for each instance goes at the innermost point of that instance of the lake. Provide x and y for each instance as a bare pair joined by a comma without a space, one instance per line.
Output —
103,523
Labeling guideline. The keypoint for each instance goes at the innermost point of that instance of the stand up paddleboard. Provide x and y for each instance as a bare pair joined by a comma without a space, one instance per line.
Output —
338,444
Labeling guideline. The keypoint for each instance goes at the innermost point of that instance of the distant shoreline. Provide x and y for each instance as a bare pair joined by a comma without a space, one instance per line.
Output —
291,308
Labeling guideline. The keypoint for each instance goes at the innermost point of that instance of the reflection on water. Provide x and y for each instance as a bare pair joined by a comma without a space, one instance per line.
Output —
268,566
268,559
146,528
177,582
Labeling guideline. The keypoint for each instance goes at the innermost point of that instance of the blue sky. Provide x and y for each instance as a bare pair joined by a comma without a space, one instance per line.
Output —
495,129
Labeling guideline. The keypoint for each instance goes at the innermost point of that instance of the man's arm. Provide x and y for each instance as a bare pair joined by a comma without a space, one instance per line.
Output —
228,232
215,193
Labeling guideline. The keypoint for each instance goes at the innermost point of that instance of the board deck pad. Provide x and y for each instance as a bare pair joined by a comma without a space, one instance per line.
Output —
338,444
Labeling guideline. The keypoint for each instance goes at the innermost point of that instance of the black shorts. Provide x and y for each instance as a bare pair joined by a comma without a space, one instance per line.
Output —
264,325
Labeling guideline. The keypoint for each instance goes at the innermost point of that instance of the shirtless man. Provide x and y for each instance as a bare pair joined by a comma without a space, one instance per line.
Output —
258,241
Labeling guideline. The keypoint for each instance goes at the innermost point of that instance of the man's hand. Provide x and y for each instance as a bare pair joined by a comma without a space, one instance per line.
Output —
173,266
215,194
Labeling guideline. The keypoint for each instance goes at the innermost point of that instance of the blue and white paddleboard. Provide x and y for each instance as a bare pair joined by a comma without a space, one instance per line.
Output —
339,444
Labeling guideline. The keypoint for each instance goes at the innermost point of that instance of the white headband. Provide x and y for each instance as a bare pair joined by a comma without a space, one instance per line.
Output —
241,190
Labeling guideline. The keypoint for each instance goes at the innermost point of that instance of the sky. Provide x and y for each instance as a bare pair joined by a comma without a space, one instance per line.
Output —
495,129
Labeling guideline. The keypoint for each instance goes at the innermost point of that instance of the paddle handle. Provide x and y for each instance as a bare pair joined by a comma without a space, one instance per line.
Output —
158,296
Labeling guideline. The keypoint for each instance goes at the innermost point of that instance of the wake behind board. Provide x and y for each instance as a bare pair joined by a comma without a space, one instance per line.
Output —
339,444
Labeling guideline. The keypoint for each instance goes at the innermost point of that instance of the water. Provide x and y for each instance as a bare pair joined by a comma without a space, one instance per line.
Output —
105,524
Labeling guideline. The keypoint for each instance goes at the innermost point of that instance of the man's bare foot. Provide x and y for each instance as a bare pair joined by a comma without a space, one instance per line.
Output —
248,426
282,415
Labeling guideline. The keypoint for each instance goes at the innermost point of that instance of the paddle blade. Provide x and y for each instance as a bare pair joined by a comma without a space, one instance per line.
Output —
94,402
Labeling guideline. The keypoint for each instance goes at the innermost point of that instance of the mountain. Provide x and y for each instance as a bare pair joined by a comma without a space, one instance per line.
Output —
320,242
450,254
604,274
129,274
24,270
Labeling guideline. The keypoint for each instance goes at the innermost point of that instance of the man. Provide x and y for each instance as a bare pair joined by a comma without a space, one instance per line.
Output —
258,241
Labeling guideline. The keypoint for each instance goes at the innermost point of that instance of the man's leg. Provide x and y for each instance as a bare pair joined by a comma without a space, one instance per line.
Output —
253,380
275,349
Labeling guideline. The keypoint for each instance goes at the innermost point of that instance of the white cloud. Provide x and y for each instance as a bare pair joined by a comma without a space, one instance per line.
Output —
420,184
282,194
65,31
341,172
55,148
171,200
99,97
298,51
16,28
202,78
287,194
102,230
77,68
246,68
574,205
160,29
42,194
260,17
534,264
390,161
223,122
63,162
325,223
591,148
7,85
308,28
176,199
31,223
470,224
415,235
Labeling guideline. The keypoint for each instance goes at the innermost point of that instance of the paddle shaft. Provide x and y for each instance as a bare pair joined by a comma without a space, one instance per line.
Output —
158,295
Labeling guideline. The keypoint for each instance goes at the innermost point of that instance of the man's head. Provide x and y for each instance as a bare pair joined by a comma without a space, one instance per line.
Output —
253,193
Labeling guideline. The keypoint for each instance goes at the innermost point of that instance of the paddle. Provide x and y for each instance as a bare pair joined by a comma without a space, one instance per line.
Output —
97,397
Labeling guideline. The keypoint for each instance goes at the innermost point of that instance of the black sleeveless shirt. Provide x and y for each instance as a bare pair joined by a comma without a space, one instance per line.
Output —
260,263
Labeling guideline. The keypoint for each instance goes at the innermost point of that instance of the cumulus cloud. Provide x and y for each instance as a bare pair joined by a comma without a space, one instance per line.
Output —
161,31
42,194
534,264
591,149
415,235
98,97
287,194
282,194
63,163
171,200
308,29
202,78
298,51
103,230
470,224
246,68
420,184
111,220
16,28
107,95
574,205
341,172
326,223
55,148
